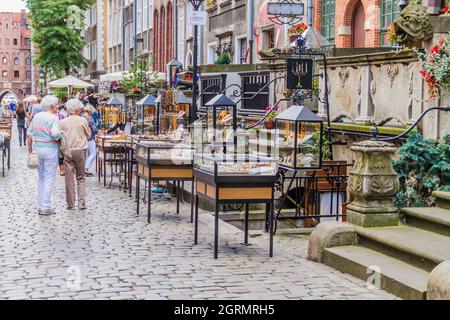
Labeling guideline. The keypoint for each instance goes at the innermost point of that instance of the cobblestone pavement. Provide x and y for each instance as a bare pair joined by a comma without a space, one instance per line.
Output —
117,255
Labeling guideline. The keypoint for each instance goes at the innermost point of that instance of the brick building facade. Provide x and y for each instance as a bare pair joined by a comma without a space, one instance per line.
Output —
359,23
162,33
16,67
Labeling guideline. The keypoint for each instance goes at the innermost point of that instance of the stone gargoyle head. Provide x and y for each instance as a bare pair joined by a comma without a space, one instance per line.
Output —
413,25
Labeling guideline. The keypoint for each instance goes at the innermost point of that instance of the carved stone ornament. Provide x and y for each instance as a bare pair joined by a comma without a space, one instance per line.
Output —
373,185
343,75
392,72
373,87
413,25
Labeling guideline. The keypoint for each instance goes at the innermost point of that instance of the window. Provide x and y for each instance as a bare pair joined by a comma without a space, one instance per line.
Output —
27,41
7,41
28,74
28,61
268,39
389,12
16,74
16,61
251,84
5,60
139,15
243,52
15,42
327,19
5,74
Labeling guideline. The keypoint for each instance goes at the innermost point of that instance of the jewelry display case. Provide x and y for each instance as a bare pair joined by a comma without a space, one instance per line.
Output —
222,118
235,179
298,139
163,161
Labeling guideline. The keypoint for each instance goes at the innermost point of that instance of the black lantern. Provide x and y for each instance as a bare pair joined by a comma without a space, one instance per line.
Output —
222,117
143,111
299,138
184,105
172,69
114,102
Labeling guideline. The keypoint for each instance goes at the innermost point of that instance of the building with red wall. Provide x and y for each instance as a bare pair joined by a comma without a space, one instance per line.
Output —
359,23
16,67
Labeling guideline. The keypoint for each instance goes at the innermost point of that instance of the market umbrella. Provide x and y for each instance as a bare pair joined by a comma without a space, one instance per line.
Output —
31,98
70,82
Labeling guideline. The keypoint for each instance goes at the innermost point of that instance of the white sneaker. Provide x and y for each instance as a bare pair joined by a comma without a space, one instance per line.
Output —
46,212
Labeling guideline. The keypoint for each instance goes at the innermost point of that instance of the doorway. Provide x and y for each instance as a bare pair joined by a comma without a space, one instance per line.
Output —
358,32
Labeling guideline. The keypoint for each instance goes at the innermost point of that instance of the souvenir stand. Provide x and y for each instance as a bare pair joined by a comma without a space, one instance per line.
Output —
5,144
225,175
112,148
175,109
146,112
163,161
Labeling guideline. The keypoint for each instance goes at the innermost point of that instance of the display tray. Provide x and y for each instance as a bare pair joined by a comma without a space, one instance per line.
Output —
234,179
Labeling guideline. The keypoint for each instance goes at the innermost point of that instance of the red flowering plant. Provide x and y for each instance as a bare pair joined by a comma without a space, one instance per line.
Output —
436,67
297,29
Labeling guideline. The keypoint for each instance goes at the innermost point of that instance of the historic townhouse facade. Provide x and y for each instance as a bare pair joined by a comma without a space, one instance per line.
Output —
16,65
359,23
163,34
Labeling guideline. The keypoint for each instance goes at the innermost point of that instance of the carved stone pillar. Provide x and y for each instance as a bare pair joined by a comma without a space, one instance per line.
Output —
373,185
365,99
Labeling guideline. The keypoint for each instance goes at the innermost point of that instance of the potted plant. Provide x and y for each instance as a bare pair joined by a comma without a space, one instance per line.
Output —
391,34
271,113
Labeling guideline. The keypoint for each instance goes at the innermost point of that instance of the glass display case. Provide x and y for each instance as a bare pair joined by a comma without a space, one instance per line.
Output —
158,153
298,139
236,165
221,119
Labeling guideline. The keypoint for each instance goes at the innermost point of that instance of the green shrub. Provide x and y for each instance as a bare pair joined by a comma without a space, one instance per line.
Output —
224,58
423,167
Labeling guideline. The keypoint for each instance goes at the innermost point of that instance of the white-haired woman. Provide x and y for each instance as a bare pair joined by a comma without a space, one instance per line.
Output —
76,134
89,110
43,135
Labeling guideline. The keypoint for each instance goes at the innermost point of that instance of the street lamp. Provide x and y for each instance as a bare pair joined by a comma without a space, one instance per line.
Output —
196,4
172,67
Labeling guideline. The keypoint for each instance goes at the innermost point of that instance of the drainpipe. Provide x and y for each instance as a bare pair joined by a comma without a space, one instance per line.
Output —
201,40
175,30
309,14
123,34
250,13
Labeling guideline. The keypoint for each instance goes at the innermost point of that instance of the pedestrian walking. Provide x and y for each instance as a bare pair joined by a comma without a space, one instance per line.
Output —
89,111
21,116
75,136
43,136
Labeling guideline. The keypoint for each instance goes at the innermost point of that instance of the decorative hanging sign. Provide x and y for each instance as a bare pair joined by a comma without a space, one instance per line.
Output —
299,73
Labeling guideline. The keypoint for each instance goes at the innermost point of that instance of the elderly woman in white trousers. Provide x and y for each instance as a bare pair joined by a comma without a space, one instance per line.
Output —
43,136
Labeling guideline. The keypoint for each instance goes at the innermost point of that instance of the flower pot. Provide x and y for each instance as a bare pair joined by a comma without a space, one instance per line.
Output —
269,124
293,38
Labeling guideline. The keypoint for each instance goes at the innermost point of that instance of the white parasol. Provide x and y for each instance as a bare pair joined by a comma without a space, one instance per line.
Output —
70,82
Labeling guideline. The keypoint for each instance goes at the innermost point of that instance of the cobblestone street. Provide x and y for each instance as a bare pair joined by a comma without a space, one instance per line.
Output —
117,255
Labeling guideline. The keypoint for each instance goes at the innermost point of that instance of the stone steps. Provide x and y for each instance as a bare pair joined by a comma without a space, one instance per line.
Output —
432,219
384,272
420,248
443,199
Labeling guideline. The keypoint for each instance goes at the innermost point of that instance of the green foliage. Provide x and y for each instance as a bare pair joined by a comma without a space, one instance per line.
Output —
315,148
224,58
57,34
424,166
137,80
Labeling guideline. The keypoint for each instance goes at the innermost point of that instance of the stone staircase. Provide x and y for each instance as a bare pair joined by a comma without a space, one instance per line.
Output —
403,256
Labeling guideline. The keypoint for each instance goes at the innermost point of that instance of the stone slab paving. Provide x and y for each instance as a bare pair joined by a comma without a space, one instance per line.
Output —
108,252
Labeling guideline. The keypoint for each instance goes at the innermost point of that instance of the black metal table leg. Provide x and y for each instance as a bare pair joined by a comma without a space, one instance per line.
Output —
216,231
138,182
192,201
196,220
177,190
149,203
246,224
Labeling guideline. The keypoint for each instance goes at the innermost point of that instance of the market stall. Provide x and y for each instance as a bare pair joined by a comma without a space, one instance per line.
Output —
163,161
